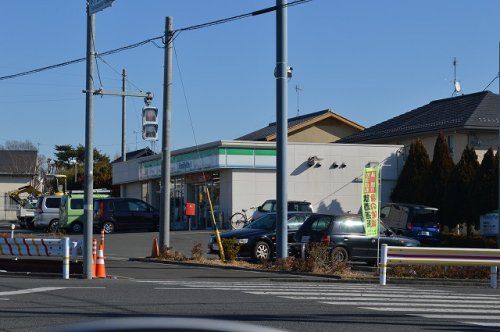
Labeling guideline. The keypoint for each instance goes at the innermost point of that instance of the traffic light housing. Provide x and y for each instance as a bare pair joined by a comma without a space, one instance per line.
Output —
150,123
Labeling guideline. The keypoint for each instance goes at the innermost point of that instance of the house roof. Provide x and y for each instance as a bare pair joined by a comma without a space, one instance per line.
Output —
18,162
472,111
268,133
136,154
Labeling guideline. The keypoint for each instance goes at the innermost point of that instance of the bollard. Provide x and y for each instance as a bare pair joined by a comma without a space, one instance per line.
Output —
493,276
65,258
12,228
383,265
303,250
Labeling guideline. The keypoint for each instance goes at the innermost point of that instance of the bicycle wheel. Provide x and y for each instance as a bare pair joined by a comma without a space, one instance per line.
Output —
238,220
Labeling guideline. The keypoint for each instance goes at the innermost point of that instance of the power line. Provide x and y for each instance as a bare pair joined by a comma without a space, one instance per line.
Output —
153,39
493,80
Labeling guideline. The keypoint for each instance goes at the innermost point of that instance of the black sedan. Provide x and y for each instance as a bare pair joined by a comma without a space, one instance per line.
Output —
258,239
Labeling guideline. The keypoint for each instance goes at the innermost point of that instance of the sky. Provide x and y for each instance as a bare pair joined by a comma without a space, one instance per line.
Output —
366,60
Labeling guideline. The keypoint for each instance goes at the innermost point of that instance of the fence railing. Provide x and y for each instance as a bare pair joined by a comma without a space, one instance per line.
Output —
439,256
43,248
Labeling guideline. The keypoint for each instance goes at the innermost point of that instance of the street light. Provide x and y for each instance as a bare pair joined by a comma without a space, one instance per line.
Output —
73,161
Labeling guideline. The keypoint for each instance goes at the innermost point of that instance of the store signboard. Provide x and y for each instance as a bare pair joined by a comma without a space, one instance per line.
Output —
150,169
489,224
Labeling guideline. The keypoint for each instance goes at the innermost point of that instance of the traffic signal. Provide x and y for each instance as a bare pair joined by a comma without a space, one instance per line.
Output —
150,123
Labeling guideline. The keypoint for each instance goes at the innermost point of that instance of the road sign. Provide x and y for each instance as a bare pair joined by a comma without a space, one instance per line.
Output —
489,224
98,5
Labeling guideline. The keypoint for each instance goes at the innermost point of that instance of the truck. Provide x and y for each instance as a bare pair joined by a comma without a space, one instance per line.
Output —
25,206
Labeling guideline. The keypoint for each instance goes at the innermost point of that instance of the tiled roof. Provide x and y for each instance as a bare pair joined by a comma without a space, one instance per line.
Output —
263,133
17,162
475,110
136,154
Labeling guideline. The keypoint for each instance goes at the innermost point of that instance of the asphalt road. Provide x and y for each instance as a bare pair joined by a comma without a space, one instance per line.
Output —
265,299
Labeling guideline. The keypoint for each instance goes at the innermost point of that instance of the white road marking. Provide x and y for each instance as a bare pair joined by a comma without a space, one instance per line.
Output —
38,290
450,317
396,304
317,288
488,324
339,293
387,299
190,288
453,310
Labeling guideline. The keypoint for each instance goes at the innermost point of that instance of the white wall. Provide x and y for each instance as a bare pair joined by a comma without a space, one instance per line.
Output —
329,190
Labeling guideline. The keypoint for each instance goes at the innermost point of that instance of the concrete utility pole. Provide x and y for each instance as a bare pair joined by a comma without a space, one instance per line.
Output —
164,236
89,150
282,130
498,148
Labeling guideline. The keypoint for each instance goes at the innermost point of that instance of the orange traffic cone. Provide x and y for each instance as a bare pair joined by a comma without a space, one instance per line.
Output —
155,251
94,256
100,269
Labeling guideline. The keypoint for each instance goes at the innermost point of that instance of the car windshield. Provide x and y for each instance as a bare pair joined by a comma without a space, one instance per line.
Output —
267,222
426,218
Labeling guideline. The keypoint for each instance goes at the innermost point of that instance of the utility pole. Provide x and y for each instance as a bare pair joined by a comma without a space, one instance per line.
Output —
124,128
281,73
164,236
498,148
89,150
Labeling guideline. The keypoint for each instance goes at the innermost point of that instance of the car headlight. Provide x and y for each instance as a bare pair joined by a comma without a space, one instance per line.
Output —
242,241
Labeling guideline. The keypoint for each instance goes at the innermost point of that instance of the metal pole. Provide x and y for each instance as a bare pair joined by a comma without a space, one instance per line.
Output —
124,117
89,149
498,148
282,130
164,236
124,128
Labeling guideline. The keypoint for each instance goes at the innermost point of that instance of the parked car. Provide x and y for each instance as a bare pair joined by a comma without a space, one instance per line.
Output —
415,221
71,210
269,206
112,214
47,213
345,235
258,238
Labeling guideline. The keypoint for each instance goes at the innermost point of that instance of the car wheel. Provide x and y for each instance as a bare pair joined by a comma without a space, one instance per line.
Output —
108,227
261,251
53,226
76,227
340,254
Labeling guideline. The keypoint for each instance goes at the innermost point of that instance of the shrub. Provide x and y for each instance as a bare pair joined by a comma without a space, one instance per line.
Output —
170,254
231,248
457,241
432,271
197,251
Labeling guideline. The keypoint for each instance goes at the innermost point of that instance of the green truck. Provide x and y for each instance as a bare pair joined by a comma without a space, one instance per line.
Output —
71,209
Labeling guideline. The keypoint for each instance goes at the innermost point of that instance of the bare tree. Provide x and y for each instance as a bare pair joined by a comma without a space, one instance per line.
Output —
18,145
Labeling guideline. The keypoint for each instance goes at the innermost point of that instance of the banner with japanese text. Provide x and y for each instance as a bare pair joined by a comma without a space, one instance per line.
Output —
370,201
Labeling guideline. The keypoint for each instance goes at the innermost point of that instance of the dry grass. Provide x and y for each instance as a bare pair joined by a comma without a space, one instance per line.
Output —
444,272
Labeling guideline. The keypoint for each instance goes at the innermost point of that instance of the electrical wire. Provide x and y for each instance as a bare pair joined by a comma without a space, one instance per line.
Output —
493,80
118,73
153,39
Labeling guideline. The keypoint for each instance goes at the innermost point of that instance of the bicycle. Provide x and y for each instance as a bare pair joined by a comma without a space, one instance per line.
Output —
240,219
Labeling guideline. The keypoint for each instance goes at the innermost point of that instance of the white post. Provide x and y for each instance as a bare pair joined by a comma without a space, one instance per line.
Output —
65,258
493,276
12,228
383,265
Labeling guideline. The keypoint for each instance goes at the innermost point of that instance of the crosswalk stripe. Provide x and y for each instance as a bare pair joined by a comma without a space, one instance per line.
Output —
461,317
395,304
300,290
352,294
453,310
388,298
321,287
487,324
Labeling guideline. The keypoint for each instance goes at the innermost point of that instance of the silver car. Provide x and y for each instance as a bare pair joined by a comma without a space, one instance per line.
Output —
47,212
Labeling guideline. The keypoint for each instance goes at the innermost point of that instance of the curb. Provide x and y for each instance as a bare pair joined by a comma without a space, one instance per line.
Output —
314,277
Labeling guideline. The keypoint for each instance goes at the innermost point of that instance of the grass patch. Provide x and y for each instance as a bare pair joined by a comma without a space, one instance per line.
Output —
441,272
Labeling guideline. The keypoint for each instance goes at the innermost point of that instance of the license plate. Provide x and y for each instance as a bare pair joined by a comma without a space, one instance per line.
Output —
215,247
424,233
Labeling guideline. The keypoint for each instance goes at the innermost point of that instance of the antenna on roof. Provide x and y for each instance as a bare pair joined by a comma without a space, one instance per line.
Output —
456,84
297,90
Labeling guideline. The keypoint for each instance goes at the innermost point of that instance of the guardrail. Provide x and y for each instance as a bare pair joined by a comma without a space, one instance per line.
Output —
42,248
439,256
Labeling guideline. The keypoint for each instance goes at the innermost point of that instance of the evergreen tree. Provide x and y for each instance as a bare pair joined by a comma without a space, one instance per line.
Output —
410,187
439,173
459,206
486,185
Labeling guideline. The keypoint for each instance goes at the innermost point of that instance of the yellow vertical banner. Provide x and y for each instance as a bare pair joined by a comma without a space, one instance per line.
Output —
370,201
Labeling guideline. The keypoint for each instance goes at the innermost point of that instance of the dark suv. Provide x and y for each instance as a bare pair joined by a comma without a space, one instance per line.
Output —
345,235
113,214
